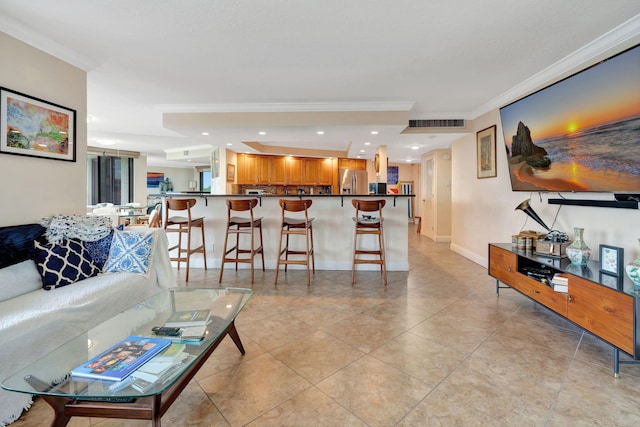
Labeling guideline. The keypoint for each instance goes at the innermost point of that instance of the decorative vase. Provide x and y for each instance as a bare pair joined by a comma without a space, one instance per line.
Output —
578,252
633,271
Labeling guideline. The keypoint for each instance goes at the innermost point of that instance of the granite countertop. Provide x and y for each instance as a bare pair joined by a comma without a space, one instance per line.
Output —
201,194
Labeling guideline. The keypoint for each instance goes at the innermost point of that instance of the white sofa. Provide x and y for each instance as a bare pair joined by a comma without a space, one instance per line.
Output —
34,321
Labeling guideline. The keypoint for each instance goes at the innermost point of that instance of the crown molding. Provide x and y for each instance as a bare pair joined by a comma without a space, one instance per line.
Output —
580,58
44,44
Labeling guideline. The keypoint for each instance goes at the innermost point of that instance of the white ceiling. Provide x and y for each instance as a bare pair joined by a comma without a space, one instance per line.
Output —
430,58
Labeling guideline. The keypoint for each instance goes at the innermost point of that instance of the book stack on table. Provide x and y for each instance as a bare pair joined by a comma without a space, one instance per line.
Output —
120,360
560,283
192,324
161,368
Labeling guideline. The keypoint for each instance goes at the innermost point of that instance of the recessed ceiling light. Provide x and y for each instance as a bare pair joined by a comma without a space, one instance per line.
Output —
415,147
374,132
320,132
106,141
408,160
359,157
362,151
205,133
367,143
262,132
229,144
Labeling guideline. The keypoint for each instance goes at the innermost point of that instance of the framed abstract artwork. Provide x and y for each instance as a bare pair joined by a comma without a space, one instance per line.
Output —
486,151
35,127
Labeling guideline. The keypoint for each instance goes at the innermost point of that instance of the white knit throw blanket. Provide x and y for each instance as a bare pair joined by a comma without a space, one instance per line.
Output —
87,228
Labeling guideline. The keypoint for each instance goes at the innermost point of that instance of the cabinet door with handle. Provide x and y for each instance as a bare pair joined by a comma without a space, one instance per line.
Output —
602,311
502,265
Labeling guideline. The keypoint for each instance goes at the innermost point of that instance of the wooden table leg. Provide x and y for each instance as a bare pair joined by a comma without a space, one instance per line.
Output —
233,333
60,419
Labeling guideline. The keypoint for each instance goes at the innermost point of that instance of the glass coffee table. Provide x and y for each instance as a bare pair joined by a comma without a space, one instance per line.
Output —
70,396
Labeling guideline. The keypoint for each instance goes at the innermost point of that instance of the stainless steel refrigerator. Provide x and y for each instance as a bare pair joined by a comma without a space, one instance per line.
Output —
353,181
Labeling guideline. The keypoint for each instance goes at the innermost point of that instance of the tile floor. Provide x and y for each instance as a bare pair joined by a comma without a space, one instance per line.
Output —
436,347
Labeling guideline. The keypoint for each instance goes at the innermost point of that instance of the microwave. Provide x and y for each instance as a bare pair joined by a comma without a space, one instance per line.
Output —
254,192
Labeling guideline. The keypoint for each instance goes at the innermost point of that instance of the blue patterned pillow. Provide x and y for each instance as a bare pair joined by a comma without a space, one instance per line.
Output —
64,264
130,252
99,250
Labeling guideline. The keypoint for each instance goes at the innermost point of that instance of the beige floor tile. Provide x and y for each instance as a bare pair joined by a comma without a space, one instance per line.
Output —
428,361
375,392
364,332
250,389
317,356
440,410
461,336
310,408
592,396
277,330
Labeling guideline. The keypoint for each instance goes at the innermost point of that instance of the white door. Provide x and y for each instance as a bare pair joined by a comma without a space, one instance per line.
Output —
428,196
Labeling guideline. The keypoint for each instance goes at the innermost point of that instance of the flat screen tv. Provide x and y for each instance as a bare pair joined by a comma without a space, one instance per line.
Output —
579,134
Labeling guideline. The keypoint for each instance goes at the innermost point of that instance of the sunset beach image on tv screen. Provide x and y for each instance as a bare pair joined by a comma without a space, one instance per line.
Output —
580,134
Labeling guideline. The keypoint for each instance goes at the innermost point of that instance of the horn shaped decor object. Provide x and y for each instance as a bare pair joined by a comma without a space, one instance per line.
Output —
526,208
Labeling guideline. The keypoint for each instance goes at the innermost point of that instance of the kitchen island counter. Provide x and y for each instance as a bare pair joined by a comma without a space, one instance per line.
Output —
333,227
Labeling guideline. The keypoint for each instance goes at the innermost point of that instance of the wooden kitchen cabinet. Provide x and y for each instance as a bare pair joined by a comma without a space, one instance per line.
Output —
294,172
253,169
277,170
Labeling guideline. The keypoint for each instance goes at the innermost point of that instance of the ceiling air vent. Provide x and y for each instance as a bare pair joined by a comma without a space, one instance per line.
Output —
437,123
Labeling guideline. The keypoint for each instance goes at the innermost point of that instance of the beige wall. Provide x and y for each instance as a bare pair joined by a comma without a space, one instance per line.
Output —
33,188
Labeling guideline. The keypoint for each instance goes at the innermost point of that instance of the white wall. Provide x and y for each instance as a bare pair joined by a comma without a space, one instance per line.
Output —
33,188
483,210
180,177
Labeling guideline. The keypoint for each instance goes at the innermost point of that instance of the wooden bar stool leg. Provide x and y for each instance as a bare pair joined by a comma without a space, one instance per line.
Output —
313,251
188,252
224,254
204,247
279,255
261,245
383,257
286,250
252,252
306,238
353,264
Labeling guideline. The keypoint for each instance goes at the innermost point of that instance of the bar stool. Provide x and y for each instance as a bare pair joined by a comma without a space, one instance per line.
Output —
242,226
183,225
368,223
302,226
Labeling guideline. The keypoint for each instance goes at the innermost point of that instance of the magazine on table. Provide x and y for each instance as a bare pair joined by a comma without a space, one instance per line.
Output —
121,359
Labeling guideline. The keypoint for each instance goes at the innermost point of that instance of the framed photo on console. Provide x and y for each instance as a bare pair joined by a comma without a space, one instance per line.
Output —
36,128
611,259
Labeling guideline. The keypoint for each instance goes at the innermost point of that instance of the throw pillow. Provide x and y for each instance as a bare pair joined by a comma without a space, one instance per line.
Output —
99,250
16,243
130,252
64,264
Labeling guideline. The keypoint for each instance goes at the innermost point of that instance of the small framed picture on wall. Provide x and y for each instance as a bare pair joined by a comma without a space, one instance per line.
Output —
486,152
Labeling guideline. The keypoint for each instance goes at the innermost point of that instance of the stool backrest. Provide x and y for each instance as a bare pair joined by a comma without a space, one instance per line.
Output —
369,205
297,205
178,205
241,205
